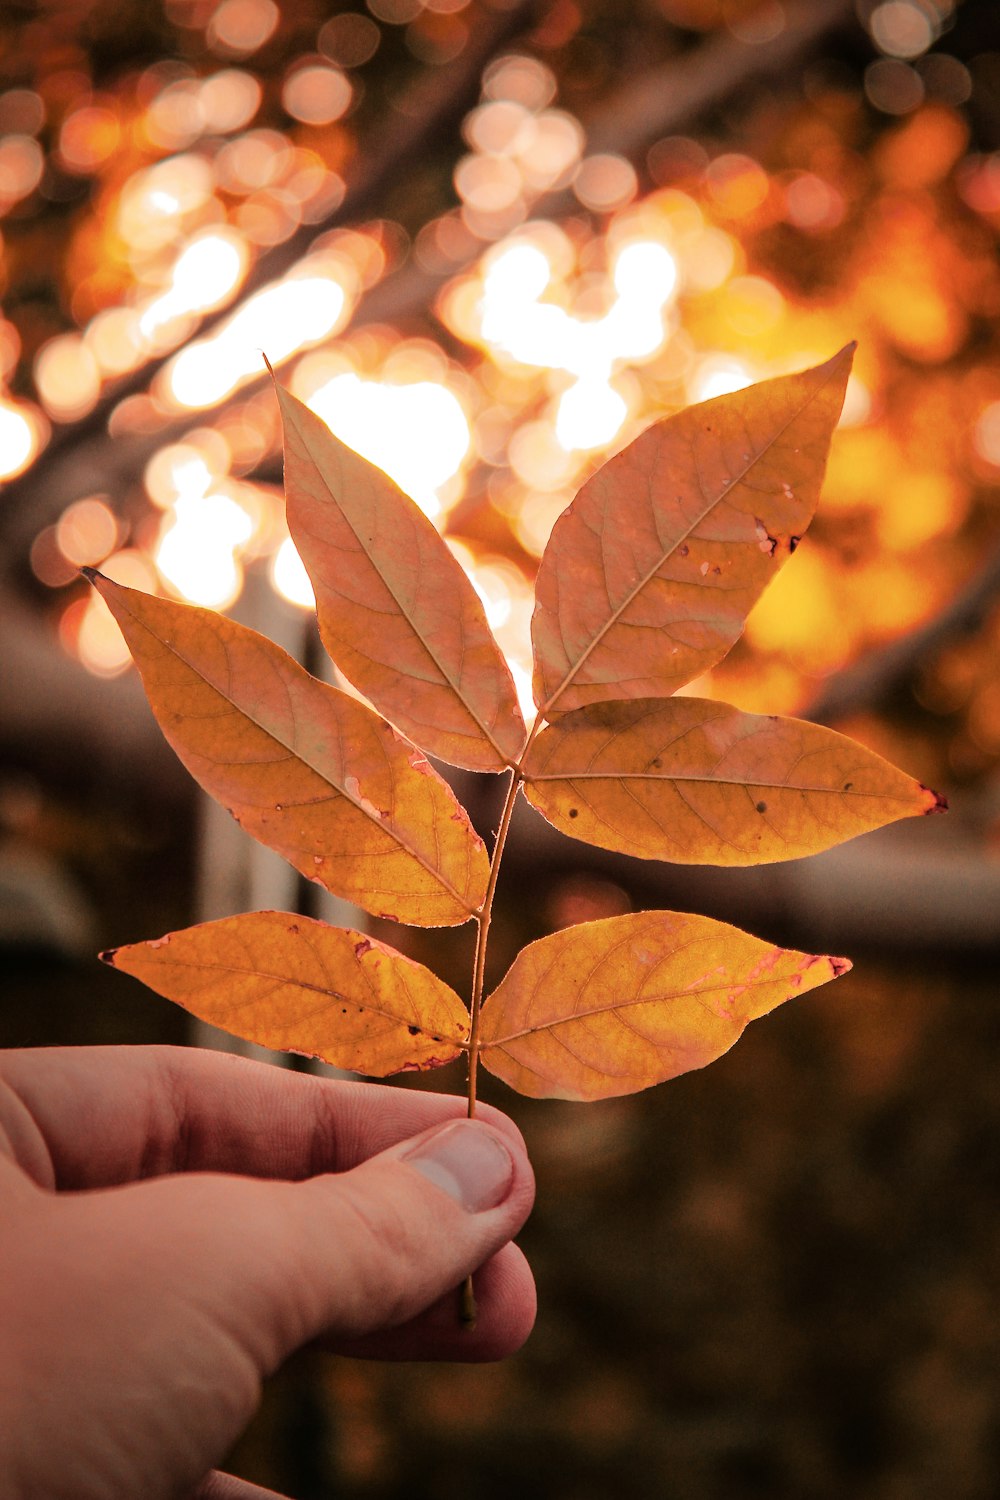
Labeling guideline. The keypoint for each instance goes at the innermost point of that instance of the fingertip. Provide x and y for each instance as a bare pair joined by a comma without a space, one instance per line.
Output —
506,1304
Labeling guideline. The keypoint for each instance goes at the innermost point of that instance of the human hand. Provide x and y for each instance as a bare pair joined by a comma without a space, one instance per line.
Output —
175,1223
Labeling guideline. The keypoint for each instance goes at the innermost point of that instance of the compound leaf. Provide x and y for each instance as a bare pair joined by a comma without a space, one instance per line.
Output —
613,1006
300,986
651,571
304,767
396,611
699,782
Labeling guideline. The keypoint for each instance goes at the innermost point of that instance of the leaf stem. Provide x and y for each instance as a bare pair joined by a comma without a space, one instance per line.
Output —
483,919
467,1303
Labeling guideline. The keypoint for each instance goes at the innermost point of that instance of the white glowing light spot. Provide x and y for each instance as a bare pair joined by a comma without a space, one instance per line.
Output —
523,687
290,577
179,469
632,329
520,274
196,553
163,202
18,440
544,334
206,271
857,403
417,433
590,415
280,319
645,271
719,376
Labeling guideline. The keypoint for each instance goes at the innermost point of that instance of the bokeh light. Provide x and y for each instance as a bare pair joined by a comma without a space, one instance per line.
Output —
238,28
87,628
903,28
278,321
21,435
289,577
317,94
417,432
22,162
87,531
205,274
67,377
197,553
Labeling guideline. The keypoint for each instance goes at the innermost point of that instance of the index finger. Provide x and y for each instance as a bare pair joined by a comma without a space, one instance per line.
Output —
87,1117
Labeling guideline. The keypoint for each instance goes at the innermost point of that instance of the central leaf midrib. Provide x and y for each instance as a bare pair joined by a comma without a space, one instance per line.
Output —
604,1010
313,988
445,673
771,786
678,542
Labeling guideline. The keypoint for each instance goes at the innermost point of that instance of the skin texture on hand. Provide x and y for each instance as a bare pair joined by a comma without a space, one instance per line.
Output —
176,1223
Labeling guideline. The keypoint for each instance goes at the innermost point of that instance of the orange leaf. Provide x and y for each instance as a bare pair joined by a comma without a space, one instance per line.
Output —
305,768
288,982
613,1006
651,571
698,782
396,611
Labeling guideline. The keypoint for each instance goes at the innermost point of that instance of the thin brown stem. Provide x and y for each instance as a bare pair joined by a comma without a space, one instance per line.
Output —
484,918
467,1305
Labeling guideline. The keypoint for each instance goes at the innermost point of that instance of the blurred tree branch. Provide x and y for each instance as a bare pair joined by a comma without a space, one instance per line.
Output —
82,456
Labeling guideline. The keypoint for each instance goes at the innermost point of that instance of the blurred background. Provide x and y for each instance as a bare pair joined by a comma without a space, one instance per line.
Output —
488,243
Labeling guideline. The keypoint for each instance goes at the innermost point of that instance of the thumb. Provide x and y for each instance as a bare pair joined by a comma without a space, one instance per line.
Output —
382,1242
268,1266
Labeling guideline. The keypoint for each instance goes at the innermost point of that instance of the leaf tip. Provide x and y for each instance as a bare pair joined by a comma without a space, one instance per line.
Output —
841,362
839,966
936,802
107,956
270,367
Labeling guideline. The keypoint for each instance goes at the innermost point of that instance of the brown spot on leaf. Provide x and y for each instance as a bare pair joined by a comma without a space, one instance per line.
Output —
683,549
848,786
413,1030
574,812
762,807
360,949
793,542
